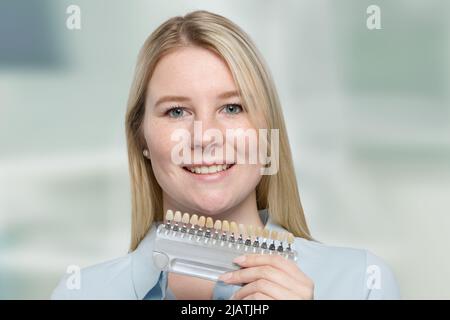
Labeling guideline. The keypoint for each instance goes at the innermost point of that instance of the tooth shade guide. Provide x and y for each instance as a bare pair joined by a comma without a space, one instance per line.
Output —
168,219
209,223
193,221
201,222
209,226
185,218
233,231
217,229
250,231
242,230
177,216
273,235
258,233
234,228
218,225
225,229
282,237
225,226
290,238
169,215
200,255
248,241
225,234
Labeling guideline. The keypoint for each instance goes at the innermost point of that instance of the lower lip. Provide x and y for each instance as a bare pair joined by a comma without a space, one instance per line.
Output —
210,177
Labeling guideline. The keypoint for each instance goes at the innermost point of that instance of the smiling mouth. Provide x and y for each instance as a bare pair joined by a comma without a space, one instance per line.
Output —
208,169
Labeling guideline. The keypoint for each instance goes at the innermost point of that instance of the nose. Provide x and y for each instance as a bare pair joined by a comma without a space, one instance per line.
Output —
207,132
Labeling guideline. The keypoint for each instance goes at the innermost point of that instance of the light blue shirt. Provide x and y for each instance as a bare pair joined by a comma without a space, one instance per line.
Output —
337,273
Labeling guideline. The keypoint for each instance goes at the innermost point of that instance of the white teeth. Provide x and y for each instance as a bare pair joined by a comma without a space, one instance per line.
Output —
209,169
212,169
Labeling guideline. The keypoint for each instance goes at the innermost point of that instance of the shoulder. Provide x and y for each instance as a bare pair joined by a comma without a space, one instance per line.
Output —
127,277
346,273
107,280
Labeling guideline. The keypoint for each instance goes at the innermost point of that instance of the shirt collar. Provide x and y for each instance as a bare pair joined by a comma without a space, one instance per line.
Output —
145,274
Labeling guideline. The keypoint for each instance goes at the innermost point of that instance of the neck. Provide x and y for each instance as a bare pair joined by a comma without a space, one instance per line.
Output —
245,212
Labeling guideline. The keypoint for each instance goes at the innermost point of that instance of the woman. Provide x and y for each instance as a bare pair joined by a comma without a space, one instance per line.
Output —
203,69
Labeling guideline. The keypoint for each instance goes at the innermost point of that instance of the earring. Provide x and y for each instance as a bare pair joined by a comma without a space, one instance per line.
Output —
145,153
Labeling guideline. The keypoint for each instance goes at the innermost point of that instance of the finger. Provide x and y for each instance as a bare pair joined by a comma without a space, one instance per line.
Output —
265,287
257,296
269,273
276,261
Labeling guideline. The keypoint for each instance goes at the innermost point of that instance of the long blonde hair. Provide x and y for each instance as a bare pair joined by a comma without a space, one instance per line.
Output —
278,193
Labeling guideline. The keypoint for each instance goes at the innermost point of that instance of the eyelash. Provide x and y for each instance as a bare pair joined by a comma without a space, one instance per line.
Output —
184,109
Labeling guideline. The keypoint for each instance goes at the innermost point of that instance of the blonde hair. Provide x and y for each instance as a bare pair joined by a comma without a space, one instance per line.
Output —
278,193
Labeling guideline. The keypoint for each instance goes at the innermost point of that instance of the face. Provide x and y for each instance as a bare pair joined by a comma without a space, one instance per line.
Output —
193,87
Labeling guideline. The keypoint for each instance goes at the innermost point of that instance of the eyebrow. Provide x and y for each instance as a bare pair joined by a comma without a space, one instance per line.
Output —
223,95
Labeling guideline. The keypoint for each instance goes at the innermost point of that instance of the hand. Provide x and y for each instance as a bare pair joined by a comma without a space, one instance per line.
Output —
269,277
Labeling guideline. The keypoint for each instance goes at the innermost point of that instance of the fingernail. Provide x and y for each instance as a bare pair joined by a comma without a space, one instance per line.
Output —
232,297
239,259
225,276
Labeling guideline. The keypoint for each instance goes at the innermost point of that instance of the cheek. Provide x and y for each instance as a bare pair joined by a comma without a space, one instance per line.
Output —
248,148
251,174
159,143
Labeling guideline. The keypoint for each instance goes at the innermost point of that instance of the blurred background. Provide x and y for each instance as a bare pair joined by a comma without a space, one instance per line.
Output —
367,112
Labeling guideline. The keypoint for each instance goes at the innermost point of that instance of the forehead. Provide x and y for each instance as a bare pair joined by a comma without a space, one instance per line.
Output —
190,71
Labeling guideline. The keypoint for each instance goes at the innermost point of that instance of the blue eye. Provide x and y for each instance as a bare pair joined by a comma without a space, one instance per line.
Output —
175,112
233,108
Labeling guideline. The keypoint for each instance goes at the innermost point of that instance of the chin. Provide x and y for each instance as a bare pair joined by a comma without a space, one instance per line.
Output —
212,206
